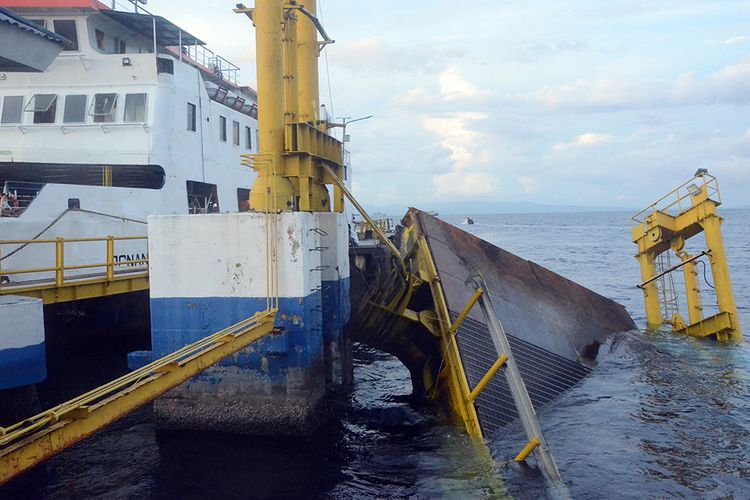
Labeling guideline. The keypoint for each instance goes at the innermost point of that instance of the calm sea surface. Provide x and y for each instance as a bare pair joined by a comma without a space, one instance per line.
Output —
661,416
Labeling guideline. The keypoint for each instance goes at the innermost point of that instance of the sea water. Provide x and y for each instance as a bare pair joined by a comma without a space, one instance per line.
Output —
661,416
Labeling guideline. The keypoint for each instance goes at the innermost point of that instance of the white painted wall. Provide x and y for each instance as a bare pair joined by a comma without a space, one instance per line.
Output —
335,258
22,321
224,255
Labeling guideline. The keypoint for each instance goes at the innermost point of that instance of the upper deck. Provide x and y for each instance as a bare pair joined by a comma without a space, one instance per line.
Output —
112,49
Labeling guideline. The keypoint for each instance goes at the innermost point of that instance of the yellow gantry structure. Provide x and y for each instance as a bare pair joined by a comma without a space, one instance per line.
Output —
662,229
292,136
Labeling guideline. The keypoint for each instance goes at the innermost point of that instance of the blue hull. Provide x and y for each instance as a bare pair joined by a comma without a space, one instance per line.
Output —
22,366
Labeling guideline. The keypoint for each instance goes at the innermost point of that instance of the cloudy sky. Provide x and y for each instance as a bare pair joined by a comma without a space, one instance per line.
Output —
559,102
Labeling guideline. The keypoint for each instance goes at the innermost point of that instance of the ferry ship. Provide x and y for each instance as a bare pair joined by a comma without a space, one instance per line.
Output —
135,117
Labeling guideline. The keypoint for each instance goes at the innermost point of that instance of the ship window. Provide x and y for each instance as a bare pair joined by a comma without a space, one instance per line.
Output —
43,106
99,39
75,109
248,138
191,116
243,199
236,133
164,65
202,198
12,109
223,128
135,107
103,108
66,28
39,22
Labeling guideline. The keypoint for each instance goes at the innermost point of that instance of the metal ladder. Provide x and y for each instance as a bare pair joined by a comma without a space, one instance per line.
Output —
666,287
521,398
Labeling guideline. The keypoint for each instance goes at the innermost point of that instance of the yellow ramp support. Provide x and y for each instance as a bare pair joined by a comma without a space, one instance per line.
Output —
28,443
665,226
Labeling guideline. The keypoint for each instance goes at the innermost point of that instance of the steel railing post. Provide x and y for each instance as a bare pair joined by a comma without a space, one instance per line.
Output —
59,261
110,258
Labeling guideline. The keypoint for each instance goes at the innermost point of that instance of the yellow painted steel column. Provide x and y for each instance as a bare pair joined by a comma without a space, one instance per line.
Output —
291,81
692,292
650,291
720,270
308,101
268,17
308,96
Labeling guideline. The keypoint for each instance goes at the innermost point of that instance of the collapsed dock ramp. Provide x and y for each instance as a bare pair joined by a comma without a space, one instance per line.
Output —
555,326
426,316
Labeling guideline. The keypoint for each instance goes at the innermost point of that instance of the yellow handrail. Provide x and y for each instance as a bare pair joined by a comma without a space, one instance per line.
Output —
60,267
709,183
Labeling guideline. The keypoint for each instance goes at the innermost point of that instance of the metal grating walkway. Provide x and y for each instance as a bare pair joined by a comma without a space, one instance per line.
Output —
545,374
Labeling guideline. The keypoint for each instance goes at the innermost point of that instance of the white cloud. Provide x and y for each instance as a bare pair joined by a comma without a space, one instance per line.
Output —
529,184
586,140
456,136
464,184
730,85
600,94
532,52
375,55
453,85
735,40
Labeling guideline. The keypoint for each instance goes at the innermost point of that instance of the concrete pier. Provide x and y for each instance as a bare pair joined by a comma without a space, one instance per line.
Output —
335,283
209,272
22,350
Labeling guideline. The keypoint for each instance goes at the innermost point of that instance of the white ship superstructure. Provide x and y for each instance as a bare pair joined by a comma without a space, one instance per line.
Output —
136,117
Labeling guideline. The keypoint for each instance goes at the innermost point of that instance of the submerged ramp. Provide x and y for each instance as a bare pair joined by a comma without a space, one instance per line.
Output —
554,325
423,312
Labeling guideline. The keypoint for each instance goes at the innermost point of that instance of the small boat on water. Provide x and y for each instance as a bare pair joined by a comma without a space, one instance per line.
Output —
468,221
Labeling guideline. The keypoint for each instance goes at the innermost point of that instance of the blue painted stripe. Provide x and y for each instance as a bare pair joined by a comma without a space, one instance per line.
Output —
336,308
22,366
178,321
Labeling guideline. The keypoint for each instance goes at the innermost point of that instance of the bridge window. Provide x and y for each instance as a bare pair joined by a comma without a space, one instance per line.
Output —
243,199
66,28
12,109
44,107
135,108
191,116
75,109
223,128
236,133
202,198
248,138
99,39
103,108
164,65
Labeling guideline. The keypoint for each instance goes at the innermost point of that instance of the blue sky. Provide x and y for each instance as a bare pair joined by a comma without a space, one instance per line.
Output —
552,102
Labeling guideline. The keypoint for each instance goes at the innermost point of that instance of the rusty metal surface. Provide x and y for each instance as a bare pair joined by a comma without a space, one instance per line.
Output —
554,326
533,303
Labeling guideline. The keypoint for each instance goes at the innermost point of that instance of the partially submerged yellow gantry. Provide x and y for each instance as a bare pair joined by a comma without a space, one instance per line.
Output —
662,229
